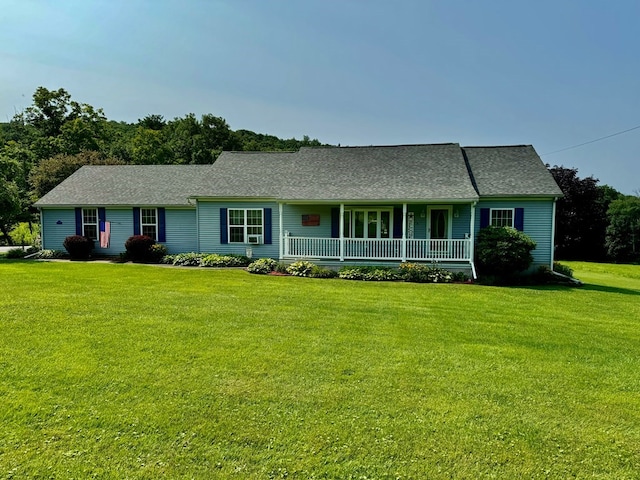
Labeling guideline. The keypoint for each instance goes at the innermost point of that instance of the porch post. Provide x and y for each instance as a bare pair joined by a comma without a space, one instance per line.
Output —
281,232
404,232
342,232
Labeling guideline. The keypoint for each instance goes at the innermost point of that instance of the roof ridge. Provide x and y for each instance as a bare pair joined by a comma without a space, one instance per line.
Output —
498,146
381,146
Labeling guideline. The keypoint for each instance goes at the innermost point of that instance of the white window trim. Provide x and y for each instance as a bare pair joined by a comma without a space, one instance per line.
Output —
245,226
366,210
142,224
96,224
513,216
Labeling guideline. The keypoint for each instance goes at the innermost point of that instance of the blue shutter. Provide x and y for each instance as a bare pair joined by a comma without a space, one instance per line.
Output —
136,220
397,222
78,221
484,217
335,222
162,225
102,217
267,226
224,235
518,221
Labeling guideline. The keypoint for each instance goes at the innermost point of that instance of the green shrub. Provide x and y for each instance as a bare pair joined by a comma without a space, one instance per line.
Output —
415,272
156,253
503,251
79,247
281,267
167,259
375,274
262,266
190,259
139,248
300,268
322,272
215,260
15,253
562,269
460,277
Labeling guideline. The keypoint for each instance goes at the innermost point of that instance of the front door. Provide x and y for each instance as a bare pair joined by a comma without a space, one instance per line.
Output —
439,223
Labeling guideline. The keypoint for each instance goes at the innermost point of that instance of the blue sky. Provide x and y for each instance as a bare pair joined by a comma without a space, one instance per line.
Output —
353,72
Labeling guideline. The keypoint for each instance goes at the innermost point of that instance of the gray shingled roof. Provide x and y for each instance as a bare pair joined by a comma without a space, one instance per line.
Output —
435,173
510,171
128,185
394,173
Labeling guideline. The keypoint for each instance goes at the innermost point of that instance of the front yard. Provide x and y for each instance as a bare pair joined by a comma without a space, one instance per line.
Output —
136,371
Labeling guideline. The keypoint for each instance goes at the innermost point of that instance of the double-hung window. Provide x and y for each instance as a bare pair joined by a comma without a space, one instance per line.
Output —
502,217
246,225
90,223
149,222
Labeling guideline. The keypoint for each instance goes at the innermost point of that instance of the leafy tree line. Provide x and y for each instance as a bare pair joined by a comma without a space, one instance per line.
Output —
595,222
56,135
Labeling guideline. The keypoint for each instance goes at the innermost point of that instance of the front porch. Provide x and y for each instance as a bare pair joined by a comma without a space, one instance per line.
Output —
379,234
403,250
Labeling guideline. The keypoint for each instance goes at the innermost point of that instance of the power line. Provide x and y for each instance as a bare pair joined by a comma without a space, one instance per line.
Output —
591,141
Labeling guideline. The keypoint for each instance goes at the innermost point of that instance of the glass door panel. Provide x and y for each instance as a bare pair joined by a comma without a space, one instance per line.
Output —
372,225
358,224
385,222
439,224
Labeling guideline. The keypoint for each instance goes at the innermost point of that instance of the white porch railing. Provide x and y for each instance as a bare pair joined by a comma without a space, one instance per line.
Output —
377,249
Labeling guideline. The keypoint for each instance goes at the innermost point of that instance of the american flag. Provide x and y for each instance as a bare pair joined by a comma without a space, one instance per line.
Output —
105,234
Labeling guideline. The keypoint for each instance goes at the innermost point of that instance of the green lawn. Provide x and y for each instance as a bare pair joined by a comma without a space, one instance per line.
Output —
135,371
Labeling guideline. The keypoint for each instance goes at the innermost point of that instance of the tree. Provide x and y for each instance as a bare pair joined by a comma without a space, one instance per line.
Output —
623,232
152,122
10,207
581,216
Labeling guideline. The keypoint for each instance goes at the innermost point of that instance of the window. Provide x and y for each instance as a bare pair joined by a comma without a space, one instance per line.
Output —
367,223
245,225
90,223
149,222
501,217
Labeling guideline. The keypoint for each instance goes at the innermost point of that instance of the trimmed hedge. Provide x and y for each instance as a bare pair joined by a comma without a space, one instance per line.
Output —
139,248
79,247
503,251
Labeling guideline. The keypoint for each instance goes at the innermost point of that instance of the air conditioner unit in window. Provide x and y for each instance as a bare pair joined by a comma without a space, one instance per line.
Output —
255,239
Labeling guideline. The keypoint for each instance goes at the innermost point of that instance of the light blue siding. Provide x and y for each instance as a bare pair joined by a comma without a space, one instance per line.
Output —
292,220
57,224
208,221
180,228
121,220
182,233
538,224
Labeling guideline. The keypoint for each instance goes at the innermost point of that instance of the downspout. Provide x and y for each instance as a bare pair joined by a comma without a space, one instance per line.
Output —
41,228
198,225
341,227
472,228
553,232
280,232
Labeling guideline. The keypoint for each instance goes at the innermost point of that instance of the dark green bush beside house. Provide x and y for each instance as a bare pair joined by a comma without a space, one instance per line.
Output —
503,251
78,247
